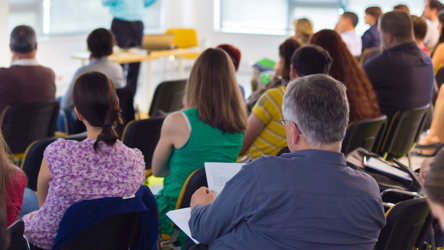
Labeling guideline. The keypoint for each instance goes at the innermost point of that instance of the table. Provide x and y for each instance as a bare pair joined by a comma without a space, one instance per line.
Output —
134,55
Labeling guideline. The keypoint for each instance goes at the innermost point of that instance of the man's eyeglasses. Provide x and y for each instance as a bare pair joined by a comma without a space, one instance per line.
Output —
283,121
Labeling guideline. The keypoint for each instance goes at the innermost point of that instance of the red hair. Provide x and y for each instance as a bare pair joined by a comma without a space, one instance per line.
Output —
234,53
345,68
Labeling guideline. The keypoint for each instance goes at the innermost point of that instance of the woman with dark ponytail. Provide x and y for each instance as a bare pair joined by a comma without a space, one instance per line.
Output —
100,166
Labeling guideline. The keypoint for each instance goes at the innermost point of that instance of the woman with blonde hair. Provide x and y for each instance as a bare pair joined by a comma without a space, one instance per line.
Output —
210,129
12,185
303,29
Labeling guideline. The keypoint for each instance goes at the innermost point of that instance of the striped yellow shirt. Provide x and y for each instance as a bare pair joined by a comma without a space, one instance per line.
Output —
272,138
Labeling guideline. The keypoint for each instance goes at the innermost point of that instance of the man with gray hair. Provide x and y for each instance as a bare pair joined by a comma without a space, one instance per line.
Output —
26,80
306,199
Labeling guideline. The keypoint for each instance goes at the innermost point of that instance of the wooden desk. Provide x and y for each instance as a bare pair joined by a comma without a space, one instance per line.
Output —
138,55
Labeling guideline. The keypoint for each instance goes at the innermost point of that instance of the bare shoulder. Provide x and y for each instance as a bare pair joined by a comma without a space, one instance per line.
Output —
175,126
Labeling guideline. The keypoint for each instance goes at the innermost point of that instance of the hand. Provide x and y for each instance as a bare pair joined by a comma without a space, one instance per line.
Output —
423,170
202,196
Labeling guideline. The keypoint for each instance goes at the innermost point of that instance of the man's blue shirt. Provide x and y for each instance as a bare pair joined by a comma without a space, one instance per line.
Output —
128,10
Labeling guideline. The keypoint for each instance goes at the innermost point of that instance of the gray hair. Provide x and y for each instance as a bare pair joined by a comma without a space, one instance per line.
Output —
318,105
23,39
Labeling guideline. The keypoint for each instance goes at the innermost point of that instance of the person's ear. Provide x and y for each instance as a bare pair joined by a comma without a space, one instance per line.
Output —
80,116
389,38
295,135
293,73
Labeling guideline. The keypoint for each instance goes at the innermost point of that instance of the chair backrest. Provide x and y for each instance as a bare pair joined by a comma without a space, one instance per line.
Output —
194,181
407,223
144,135
403,131
17,240
168,96
119,231
25,123
440,76
365,134
368,54
34,155
184,38
126,103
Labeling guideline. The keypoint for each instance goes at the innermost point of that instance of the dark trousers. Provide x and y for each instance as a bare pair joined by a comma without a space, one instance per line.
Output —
129,34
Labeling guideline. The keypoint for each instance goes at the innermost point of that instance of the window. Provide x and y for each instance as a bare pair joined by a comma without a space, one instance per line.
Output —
61,17
276,17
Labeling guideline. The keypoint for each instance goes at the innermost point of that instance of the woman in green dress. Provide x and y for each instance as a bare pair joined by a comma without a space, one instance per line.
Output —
209,129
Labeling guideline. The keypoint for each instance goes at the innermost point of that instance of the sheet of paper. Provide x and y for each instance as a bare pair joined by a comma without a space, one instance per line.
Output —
180,217
219,173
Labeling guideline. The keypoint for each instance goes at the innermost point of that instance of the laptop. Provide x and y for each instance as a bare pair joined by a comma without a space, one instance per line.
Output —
158,41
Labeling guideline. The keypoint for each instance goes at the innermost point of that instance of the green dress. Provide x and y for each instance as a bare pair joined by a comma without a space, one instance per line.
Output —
205,144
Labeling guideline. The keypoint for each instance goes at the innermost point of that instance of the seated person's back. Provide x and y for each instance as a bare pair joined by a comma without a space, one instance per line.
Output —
100,166
100,44
306,199
402,75
25,81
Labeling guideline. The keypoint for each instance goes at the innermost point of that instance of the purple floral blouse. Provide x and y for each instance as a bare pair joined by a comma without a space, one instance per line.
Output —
79,173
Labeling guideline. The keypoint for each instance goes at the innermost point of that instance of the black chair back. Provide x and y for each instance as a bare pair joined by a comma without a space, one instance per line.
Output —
126,103
119,231
407,225
168,97
403,131
25,123
196,180
34,155
440,76
144,135
17,240
366,134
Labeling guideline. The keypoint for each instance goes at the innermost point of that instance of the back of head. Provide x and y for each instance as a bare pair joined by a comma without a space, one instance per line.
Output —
419,27
304,25
23,39
213,90
374,11
311,59
233,52
96,100
402,7
398,24
100,42
434,180
436,4
319,107
286,50
352,17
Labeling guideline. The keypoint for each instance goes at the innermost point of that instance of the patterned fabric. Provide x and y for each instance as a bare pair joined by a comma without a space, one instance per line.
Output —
79,173
272,138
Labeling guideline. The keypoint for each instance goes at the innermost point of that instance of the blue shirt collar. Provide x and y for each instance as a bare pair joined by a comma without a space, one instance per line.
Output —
323,156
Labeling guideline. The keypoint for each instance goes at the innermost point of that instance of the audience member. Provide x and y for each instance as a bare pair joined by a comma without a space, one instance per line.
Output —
235,55
282,74
432,7
12,185
303,29
434,187
26,80
346,28
419,32
265,135
402,75
100,44
402,7
100,166
438,51
306,199
127,26
345,68
209,130
371,38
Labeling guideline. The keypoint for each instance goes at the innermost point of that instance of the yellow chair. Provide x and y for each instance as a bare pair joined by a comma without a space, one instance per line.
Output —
184,39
